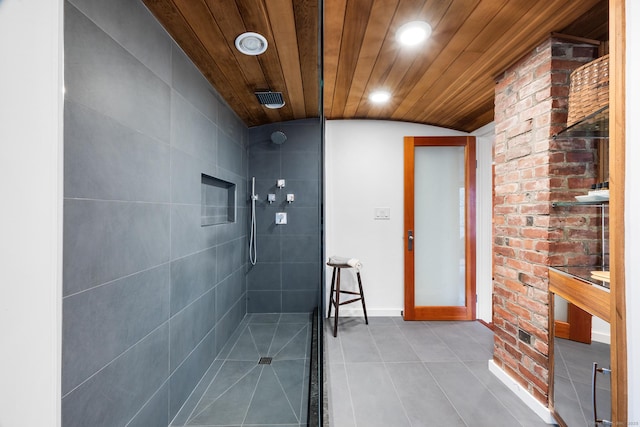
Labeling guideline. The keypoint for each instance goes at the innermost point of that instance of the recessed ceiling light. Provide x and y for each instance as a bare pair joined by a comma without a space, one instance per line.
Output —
251,43
413,33
379,96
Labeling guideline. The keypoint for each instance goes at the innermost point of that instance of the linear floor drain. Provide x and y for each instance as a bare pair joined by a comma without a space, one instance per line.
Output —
265,361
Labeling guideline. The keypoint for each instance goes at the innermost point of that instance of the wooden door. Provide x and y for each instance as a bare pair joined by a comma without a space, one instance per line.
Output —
439,196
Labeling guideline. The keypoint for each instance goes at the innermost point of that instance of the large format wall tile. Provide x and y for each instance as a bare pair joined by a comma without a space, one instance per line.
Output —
230,154
102,75
104,241
229,322
132,25
288,275
186,177
184,379
264,301
300,220
265,276
191,277
190,326
301,248
109,161
187,235
154,412
230,257
117,392
300,165
103,322
229,292
192,131
300,276
187,80
141,281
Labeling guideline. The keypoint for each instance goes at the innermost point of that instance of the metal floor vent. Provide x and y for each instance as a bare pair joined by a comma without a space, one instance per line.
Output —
265,361
269,98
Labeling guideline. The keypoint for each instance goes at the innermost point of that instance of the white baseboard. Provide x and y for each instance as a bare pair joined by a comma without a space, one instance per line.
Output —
375,312
542,411
601,337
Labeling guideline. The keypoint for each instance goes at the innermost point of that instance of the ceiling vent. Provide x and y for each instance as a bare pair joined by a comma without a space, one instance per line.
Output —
270,99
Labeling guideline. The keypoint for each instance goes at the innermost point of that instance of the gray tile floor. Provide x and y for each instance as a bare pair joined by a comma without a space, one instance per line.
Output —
393,373
237,391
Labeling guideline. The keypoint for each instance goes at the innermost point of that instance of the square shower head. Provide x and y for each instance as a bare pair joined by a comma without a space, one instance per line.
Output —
270,98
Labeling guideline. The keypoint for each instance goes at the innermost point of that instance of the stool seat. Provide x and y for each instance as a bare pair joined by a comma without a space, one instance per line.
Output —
338,263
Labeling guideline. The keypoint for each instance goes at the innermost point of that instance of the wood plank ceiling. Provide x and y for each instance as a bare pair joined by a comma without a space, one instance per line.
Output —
448,81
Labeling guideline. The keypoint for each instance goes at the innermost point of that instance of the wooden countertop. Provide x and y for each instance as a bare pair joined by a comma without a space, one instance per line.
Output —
590,297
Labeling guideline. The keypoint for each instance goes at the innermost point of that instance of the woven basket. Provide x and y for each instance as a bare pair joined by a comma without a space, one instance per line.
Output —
589,89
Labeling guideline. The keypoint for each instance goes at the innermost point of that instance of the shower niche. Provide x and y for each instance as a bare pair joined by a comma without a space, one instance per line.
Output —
218,201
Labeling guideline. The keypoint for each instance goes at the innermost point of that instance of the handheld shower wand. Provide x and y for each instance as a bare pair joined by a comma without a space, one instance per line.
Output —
253,250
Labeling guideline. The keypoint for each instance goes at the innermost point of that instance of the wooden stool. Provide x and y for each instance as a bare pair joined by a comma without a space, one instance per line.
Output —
334,296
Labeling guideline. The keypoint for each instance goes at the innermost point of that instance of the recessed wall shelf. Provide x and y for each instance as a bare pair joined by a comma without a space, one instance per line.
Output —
218,201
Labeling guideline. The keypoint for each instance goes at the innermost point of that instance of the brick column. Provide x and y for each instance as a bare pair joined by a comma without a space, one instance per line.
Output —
531,170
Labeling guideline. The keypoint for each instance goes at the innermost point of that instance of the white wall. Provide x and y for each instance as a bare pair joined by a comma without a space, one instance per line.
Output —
364,170
632,209
484,224
31,215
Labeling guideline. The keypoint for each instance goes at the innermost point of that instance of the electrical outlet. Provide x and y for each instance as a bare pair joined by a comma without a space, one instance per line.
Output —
524,336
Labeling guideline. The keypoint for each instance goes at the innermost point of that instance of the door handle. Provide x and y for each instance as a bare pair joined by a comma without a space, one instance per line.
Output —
597,421
410,240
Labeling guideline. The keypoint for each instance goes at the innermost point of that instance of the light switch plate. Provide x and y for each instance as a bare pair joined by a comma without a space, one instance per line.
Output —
381,213
281,218
280,183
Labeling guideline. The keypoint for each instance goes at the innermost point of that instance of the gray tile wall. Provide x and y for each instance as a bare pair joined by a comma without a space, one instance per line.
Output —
150,296
286,277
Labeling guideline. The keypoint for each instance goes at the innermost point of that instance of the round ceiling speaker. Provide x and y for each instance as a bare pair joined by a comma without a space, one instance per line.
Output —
251,43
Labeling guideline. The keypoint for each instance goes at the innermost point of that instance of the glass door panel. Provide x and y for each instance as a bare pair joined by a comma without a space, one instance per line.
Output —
439,226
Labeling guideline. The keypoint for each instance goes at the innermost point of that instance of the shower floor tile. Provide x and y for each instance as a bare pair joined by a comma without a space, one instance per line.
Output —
238,391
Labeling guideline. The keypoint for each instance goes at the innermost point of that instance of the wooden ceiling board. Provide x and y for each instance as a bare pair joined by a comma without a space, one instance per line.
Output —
307,25
333,24
531,32
256,19
448,81
437,58
284,33
381,16
357,17
409,64
392,63
594,24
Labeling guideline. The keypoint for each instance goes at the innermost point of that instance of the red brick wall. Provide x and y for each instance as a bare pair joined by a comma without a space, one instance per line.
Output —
531,171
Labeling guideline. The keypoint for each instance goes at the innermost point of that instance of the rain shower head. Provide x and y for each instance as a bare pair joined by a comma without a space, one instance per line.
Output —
278,137
270,99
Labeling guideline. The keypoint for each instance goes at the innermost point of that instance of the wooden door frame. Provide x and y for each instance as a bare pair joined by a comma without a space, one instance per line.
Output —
617,117
468,312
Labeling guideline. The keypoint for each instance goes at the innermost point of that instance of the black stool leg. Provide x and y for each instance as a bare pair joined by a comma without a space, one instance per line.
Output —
333,284
335,319
364,307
